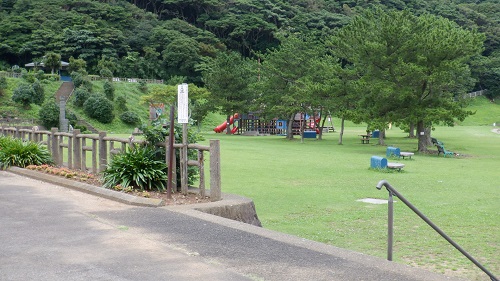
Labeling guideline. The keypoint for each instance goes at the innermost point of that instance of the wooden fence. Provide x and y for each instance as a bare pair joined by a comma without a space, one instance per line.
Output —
73,147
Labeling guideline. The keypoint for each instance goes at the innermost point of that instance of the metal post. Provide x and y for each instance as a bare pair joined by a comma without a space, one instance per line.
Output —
170,154
184,160
390,227
393,191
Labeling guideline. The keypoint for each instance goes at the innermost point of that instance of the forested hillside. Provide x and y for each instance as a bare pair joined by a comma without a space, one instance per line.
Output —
165,39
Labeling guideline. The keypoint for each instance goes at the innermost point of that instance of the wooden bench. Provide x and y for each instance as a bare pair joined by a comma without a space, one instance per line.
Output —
365,139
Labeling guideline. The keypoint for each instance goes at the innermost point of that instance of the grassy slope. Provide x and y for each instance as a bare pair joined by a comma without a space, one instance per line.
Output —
310,190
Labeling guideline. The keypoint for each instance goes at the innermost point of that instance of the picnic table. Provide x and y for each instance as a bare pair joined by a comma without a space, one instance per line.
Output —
365,139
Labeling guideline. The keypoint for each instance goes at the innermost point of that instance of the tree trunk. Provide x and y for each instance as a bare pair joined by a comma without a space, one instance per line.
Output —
302,128
424,136
341,130
289,128
412,130
381,137
228,123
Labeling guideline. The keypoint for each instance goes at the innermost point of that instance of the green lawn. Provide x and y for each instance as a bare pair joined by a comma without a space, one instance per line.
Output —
310,190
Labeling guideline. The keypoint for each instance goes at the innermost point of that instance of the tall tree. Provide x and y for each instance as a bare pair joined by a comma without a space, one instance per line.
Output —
228,80
285,72
53,61
415,67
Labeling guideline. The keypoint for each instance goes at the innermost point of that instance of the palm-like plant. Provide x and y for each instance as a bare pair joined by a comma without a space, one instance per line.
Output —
137,168
15,152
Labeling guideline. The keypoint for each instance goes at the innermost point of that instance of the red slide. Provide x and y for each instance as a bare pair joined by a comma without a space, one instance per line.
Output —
222,127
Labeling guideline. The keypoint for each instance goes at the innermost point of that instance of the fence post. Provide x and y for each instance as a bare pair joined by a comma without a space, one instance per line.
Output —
103,152
54,145
215,181
201,161
77,150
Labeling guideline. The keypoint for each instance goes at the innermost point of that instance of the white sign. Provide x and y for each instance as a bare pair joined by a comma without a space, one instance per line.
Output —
182,104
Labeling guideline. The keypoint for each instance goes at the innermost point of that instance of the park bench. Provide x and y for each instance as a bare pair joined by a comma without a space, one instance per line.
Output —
445,152
377,162
395,151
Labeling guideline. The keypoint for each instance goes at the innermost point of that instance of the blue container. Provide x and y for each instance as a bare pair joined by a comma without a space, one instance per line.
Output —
309,134
392,151
378,162
375,134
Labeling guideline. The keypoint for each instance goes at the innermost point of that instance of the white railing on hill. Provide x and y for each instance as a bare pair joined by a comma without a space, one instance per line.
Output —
94,78
475,94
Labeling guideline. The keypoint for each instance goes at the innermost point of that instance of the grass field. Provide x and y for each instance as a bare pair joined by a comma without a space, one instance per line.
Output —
311,190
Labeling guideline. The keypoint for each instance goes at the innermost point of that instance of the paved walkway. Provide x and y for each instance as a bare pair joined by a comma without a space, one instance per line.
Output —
48,232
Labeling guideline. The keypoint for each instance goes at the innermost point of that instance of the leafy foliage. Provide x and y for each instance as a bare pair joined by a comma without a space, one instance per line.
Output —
109,90
15,152
49,115
130,118
100,108
137,168
80,96
3,85
39,93
23,94
156,133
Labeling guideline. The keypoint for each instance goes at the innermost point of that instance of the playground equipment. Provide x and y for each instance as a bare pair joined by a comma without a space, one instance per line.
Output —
250,122
223,126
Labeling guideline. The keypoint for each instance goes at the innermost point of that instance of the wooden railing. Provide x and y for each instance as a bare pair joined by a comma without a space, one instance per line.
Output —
73,147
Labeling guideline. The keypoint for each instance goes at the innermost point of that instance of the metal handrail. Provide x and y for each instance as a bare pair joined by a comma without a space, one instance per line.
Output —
390,230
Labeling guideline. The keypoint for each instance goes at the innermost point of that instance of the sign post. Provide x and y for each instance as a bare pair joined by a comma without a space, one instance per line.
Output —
183,118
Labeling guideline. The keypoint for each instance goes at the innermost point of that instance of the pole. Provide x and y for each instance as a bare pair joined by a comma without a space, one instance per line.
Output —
170,153
390,227
184,160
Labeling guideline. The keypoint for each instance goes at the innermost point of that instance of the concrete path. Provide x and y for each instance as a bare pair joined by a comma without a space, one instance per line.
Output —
48,232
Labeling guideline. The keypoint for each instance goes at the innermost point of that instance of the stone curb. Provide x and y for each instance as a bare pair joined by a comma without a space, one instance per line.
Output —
232,206
90,189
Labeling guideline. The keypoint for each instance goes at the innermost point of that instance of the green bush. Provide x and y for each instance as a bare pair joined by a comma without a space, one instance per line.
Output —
23,94
109,90
81,95
39,96
15,152
81,79
49,115
156,133
100,108
130,118
137,168
3,85
121,104
28,76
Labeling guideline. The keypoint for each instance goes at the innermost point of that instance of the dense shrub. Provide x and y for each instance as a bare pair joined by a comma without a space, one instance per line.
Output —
81,95
109,90
23,94
39,96
81,79
15,152
130,118
99,108
3,85
156,133
28,76
49,115
106,73
121,104
143,87
137,168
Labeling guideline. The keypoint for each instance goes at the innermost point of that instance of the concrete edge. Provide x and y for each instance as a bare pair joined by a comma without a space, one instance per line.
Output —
231,206
88,188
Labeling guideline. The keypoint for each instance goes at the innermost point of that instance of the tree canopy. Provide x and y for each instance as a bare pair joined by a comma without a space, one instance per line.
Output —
415,67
